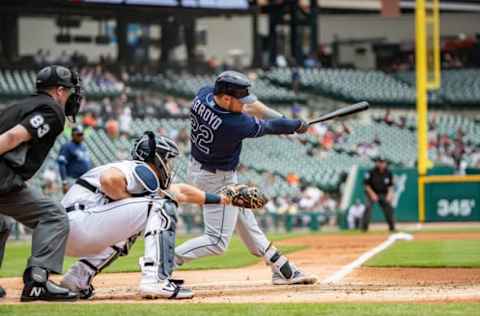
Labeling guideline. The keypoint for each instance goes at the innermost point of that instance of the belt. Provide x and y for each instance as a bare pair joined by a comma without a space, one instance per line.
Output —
75,207
87,185
208,168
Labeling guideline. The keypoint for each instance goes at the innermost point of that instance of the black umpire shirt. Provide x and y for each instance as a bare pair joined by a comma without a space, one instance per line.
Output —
44,119
379,181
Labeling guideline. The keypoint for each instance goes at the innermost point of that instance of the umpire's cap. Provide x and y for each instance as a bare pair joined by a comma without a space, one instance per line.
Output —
52,76
234,84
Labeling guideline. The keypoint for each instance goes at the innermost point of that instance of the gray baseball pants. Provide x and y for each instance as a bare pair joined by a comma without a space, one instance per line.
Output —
46,218
220,221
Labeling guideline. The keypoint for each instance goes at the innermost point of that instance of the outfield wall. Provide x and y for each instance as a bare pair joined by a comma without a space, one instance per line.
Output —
445,202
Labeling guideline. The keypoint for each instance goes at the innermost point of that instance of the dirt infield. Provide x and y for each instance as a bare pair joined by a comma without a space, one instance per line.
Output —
326,255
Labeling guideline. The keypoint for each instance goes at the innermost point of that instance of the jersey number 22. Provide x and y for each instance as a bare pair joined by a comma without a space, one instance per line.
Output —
201,135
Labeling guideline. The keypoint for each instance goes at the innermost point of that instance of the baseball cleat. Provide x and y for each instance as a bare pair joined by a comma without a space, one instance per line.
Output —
38,288
299,277
46,291
163,289
2,292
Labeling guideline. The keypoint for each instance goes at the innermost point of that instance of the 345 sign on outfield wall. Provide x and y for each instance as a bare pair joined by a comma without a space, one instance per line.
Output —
452,202
455,207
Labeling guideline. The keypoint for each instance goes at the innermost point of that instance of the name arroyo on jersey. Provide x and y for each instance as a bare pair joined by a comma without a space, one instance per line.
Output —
203,111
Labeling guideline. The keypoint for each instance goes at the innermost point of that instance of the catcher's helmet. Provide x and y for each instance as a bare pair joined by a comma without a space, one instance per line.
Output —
234,84
160,151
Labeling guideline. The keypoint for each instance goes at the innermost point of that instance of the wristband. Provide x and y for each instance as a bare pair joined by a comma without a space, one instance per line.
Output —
211,198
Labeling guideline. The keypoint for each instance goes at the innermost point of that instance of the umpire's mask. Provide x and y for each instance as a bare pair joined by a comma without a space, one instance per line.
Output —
56,75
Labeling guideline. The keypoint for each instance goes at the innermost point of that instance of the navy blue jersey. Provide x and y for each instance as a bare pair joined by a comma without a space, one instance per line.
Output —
73,160
216,134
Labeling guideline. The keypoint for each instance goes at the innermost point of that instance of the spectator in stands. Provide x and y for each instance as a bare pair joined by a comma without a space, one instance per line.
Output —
50,181
296,80
293,179
112,128
183,137
125,121
387,119
73,159
63,59
355,214
310,198
90,120
281,61
311,61
378,189
171,106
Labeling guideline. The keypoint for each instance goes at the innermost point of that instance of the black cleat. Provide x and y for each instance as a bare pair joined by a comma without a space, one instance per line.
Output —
2,292
39,288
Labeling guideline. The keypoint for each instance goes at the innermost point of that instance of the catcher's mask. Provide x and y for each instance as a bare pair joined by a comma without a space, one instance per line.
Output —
55,75
159,150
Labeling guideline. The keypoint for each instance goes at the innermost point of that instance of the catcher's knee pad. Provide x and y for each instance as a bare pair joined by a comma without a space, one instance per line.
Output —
278,262
160,239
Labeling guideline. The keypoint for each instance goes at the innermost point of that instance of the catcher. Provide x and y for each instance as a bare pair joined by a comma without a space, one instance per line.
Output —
111,205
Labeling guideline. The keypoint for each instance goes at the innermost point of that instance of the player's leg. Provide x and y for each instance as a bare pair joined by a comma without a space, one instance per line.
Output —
219,220
159,257
367,214
388,212
283,271
49,222
6,224
102,234
351,220
80,275
99,236
5,228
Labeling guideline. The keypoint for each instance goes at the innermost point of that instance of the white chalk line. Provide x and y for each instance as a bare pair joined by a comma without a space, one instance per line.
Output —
345,270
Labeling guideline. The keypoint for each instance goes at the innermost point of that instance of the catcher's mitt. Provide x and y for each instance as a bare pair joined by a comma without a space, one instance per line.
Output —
244,196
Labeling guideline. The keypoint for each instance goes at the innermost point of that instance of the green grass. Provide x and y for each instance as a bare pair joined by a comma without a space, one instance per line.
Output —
430,253
463,309
236,256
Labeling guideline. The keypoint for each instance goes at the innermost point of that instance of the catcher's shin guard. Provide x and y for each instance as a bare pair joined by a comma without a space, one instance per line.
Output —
159,259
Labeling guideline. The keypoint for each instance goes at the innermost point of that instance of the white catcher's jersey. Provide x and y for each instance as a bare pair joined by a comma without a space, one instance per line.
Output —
81,195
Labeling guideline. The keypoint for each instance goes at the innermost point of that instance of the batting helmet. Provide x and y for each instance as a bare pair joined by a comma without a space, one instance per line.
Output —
160,151
234,84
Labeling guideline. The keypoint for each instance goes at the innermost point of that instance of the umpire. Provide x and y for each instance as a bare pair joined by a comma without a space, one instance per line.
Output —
73,159
28,129
378,189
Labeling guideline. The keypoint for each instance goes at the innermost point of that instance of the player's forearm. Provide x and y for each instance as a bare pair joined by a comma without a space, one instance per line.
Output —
280,126
261,111
185,193
12,138
370,192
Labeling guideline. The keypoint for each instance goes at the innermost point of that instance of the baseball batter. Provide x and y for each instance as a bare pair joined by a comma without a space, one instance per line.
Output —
109,207
221,117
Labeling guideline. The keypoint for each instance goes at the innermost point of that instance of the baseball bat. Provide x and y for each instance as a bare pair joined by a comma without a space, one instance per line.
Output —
348,110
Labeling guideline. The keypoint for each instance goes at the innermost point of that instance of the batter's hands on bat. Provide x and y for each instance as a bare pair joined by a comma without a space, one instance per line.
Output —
244,196
302,128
